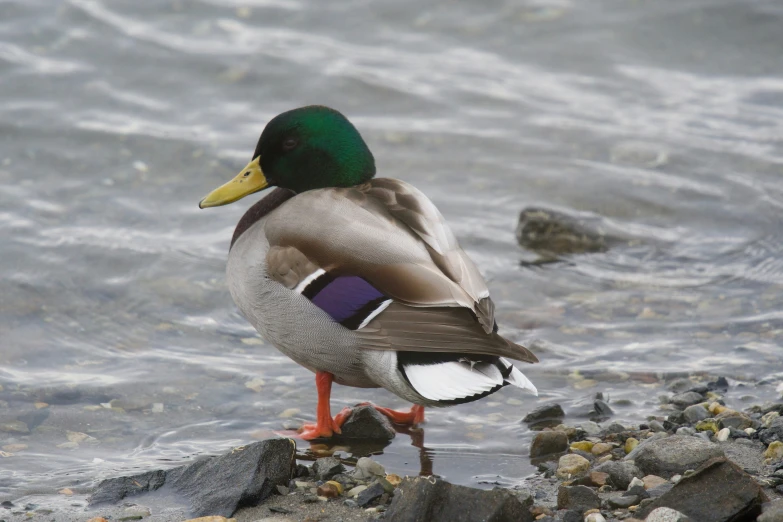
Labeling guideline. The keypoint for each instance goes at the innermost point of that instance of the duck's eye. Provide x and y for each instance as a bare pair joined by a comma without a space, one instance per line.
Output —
290,143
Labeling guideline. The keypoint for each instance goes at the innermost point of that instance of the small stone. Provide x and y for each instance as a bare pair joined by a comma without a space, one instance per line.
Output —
664,514
675,479
657,426
582,445
330,489
366,468
327,467
579,498
620,473
630,444
774,452
373,492
591,428
572,465
636,481
14,447
686,430
683,400
734,419
65,491
394,479
601,448
599,478
749,431
767,418
283,490
707,425
716,408
621,501
14,426
653,481
695,413
157,407
544,413
595,517
355,491
548,443
723,435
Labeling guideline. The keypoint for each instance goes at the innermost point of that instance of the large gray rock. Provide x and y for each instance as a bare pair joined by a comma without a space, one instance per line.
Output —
621,472
719,491
221,485
428,499
683,400
577,498
672,455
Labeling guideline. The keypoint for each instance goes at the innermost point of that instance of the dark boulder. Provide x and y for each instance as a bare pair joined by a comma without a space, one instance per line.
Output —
245,476
546,415
367,424
428,499
719,491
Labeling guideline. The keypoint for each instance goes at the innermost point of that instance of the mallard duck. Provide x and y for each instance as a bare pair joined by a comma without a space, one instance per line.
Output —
359,279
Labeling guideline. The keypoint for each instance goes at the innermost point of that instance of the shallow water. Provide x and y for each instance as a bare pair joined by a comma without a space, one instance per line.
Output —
117,117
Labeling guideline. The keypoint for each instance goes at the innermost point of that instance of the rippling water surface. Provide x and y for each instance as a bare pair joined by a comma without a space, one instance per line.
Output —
663,117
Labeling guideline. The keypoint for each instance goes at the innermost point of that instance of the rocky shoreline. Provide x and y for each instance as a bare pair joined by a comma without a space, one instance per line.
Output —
701,462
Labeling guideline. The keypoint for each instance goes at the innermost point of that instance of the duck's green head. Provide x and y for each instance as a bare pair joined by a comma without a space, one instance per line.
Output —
303,149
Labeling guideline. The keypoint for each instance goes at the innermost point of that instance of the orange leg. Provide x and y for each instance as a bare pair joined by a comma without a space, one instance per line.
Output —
324,426
415,416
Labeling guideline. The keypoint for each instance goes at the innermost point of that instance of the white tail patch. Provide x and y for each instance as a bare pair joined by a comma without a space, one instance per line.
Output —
453,380
518,379
307,280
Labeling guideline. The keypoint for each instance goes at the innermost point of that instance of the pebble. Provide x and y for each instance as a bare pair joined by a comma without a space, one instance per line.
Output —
14,426
653,481
572,465
590,428
664,514
767,418
355,491
330,489
675,479
630,444
707,425
636,481
582,445
393,479
716,408
723,435
595,517
686,430
695,413
548,443
14,447
774,451
683,400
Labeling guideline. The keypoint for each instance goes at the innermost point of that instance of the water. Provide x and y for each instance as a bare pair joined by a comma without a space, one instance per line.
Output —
117,117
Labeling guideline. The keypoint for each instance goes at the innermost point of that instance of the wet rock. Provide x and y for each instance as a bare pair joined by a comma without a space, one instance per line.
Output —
551,232
614,427
601,448
734,419
590,428
548,443
582,445
653,481
723,435
621,473
372,493
327,467
330,489
578,498
675,454
219,485
595,517
367,423
772,512
366,468
572,466
664,514
683,400
546,414
718,491
773,432
774,452
14,426
695,413
428,498
598,478
621,501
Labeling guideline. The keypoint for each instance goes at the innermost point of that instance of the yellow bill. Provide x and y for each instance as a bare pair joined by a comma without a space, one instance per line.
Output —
250,179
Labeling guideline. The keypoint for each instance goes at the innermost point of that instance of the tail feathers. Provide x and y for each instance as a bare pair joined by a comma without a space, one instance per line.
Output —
518,379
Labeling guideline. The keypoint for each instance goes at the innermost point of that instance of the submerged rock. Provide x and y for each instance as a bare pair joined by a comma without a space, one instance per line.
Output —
548,414
718,491
245,476
428,498
552,233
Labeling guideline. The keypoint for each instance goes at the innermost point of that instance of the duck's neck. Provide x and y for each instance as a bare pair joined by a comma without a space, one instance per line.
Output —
261,208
